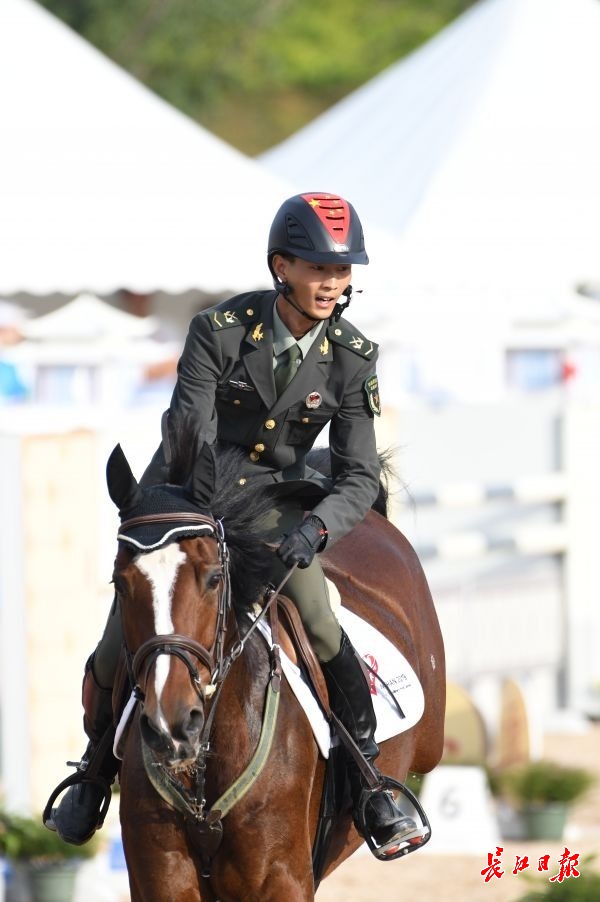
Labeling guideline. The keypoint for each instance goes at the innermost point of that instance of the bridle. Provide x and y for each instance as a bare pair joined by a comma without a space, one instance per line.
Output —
184,647
188,650
204,827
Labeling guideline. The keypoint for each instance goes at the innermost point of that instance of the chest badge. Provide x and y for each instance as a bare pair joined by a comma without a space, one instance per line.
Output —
313,400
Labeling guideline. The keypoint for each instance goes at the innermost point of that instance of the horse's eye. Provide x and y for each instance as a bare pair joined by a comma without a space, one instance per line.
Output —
213,580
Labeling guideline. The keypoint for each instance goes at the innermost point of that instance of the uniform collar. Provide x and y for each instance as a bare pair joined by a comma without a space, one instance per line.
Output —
283,338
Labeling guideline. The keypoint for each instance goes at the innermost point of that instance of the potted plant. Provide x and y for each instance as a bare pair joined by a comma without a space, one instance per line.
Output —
586,888
542,792
42,867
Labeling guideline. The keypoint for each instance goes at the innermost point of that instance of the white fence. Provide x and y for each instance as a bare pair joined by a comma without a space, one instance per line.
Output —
510,557
540,538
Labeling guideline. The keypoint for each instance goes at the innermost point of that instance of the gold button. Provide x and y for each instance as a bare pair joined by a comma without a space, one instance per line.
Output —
270,424
259,447
243,480
254,456
305,420
250,311
237,402
338,332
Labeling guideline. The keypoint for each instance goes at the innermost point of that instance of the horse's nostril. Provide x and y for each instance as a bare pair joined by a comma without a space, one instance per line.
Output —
153,736
195,721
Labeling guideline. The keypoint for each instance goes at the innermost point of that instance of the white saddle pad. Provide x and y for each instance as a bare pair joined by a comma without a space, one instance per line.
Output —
388,663
379,653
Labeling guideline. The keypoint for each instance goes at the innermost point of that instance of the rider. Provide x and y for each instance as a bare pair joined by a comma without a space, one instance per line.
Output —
267,370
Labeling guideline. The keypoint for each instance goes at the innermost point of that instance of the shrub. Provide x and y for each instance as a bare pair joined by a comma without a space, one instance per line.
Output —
541,781
26,839
585,888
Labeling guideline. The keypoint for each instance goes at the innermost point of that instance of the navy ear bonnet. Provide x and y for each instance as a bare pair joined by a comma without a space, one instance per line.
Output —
155,516
160,501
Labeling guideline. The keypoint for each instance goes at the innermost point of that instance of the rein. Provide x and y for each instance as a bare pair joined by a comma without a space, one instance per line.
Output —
204,827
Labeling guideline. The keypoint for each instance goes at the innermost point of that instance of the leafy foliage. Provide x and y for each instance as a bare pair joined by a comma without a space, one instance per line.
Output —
585,888
541,781
254,71
26,839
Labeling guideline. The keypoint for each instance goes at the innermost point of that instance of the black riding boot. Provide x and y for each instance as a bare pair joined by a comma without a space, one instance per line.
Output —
83,807
350,700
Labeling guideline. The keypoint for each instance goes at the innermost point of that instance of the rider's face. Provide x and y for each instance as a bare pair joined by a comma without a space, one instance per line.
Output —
316,287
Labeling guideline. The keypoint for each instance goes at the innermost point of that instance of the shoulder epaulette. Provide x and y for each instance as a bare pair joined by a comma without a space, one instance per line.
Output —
237,311
344,333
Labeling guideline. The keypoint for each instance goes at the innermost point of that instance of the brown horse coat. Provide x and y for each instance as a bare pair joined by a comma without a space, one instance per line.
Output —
265,855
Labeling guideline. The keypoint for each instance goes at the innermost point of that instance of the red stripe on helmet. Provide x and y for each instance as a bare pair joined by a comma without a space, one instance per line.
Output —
333,212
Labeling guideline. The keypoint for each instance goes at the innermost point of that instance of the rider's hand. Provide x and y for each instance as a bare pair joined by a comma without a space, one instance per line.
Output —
301,544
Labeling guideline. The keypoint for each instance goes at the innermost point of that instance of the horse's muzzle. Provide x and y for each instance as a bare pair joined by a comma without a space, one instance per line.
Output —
177,745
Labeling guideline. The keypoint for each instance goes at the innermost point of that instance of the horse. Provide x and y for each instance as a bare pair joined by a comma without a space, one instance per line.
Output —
220,785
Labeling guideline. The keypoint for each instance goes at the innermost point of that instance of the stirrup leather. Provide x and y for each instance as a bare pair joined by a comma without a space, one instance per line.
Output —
405,846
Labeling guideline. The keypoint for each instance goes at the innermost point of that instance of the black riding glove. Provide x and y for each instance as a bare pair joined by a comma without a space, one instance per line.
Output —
300,545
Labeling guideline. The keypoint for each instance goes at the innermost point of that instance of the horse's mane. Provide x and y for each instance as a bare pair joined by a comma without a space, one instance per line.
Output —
239,507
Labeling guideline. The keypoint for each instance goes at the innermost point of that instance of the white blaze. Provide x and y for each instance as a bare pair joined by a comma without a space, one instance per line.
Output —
160,569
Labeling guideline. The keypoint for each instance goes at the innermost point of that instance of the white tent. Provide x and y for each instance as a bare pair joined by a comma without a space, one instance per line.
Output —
87,318
481,148
89,352
480,152
103,185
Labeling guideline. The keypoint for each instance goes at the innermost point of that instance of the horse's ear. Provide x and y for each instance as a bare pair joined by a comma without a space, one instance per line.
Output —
204,476
122,484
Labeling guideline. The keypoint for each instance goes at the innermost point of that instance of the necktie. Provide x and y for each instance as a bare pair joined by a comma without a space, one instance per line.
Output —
287,366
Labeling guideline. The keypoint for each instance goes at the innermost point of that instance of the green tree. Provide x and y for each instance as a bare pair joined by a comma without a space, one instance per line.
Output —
254,71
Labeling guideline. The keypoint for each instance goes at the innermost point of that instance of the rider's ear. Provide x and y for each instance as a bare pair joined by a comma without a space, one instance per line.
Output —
204,477
122,484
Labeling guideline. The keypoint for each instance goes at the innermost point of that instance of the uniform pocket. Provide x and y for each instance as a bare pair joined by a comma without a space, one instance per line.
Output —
302,428
234,395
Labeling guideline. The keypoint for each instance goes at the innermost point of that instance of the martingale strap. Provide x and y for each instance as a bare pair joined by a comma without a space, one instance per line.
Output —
244,782
179,798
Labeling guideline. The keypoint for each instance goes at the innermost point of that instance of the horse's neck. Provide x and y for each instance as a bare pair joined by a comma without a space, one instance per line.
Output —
241,703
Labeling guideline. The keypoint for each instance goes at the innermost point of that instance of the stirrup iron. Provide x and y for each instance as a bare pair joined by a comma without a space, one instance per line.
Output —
405,846
78,777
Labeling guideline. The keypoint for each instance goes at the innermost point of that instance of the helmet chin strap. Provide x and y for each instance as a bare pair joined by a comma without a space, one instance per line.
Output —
285,290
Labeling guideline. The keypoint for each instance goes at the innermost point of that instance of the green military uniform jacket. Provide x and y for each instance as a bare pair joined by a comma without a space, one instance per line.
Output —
225,381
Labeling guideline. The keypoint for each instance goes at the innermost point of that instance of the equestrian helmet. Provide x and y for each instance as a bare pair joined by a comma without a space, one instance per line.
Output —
321,228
